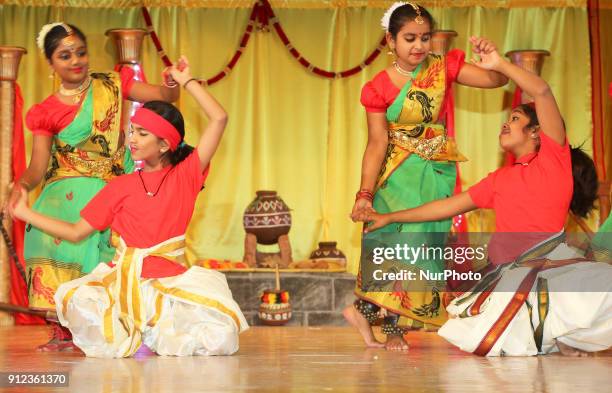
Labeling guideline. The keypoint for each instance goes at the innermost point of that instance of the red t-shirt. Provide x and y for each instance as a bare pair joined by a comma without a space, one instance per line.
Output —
532,196
51,116
379,93
144,221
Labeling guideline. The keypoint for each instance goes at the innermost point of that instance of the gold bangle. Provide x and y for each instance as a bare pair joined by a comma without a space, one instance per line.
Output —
25,184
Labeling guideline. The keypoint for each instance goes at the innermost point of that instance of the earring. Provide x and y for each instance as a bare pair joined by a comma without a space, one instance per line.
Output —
391,51
52,74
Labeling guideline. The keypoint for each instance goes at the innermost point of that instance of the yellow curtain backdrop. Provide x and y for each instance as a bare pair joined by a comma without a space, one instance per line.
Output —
298,133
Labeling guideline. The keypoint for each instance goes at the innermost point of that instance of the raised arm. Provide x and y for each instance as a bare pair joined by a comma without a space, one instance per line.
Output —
433,211
54,227
473,76
549,116
217,117
143,92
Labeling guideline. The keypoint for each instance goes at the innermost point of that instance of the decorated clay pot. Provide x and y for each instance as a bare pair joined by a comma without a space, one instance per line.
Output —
327,250
267,217
275,309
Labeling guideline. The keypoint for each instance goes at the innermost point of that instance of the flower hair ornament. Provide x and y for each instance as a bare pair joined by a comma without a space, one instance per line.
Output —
386,19
40,39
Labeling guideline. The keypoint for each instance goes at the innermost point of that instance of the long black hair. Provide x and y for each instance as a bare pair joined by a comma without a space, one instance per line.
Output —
55,36
174,116
583,171
585,182
407,13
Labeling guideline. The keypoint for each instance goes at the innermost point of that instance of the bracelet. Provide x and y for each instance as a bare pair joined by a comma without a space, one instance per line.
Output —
25,184
167,80
364,194
170,85
185,84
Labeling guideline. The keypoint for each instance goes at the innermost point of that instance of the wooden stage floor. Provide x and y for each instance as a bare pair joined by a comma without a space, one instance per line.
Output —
299,359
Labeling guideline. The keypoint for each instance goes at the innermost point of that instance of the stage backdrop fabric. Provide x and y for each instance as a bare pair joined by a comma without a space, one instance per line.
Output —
298,133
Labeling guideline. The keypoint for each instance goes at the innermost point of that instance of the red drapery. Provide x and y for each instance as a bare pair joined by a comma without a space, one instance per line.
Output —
19,288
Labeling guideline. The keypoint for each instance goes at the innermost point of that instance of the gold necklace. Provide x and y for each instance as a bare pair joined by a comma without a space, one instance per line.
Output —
402,71
77,92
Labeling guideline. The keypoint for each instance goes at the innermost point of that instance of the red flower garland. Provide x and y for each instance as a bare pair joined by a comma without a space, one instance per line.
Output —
263,14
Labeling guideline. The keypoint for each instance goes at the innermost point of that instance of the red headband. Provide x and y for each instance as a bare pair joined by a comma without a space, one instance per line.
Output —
157,126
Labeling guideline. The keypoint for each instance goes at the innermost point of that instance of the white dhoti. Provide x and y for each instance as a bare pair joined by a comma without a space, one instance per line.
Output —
569,302
112,311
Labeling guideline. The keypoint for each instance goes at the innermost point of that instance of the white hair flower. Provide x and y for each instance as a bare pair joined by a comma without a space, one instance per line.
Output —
386,19
40,39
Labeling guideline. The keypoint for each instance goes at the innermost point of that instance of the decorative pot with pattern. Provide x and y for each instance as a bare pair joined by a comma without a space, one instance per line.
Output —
267,217
327,251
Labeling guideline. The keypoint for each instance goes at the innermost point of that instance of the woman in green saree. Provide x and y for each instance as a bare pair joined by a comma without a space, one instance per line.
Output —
410,159
78,146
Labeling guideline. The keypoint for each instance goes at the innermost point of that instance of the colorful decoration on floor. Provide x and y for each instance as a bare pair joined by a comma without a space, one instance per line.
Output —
327,256
222,264
261,17
275,309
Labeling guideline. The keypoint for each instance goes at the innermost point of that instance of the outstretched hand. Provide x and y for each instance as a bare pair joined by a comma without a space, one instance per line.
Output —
13,197
181,71
487,51
374,219
19,207
360,204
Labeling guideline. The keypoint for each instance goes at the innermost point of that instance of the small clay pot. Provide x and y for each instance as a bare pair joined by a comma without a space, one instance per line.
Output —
277,313
327,250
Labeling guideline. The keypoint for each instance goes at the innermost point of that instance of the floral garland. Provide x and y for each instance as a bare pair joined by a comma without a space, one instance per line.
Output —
228,68
261,16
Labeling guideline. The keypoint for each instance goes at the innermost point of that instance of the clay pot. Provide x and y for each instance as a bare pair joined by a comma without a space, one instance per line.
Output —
441,41
275,313
531,60
10,56
327,250
267,217
128,43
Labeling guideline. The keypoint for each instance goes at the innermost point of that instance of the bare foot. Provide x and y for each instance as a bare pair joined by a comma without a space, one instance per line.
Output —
355,318
61,340
566,350
57,346
396,343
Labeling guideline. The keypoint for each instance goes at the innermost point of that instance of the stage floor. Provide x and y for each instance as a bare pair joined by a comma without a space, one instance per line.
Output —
300,359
